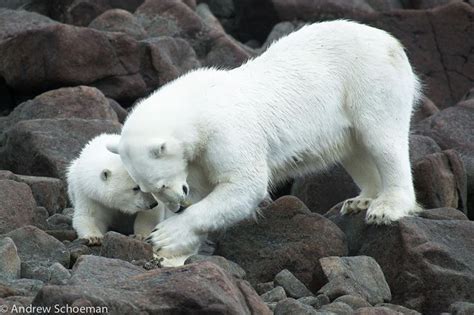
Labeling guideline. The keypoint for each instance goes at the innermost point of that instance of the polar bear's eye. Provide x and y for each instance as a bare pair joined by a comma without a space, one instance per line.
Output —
136,188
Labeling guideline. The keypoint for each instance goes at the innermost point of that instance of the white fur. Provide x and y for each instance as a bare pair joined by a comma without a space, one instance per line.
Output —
97,199
331,92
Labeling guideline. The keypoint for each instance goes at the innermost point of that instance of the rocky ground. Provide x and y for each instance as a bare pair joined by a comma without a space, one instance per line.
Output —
69,69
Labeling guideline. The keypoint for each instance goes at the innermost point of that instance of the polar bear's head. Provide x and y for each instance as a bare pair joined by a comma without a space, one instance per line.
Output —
120,192
158,167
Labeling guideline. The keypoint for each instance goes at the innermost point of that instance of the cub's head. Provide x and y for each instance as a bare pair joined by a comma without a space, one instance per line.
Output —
158,167
122,193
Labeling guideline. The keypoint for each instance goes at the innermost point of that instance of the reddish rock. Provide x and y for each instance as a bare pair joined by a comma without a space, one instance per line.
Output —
45,147
17,205
284,237
440,181
124,288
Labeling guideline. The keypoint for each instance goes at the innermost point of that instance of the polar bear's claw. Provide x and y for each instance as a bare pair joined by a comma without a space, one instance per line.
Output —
355,205
93,240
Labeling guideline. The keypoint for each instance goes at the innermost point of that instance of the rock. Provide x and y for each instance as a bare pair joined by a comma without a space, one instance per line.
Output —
293,287
101,55
440,181
45,147
58,274
17,205
13,22
59,221
285,236
170,58
25,287
359,276
322,191
279,30
206,15
118,20
37,251
315,301
437,46
337,308
256,21
424,110
119,110
82,12
274,295
462,308
116,245
10,264
77,102
443,214
221,8
378,310
125,288
78,248
48,192
421,146
429,4
452,129
63,235
355,302
229,266
427,263
173,18
291,306
400,309
262,288
40,217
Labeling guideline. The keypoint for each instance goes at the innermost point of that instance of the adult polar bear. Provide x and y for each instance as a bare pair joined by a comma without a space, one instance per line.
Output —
331,92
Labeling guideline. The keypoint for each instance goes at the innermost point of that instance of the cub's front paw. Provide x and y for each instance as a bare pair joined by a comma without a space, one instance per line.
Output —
93,240
174,237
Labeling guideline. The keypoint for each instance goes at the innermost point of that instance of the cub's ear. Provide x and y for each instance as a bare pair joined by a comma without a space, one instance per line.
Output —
158,150
105,175
113,147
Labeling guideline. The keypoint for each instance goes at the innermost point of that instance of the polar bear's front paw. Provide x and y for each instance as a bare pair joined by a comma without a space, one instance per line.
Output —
93,240
385,210
138,237
355,205
174,237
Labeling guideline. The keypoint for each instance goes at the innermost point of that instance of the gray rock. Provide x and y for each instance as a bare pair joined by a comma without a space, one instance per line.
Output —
58,274
293,287
264,287
229,266
462,308
398,308
127,289
38,251
315,301
45,147
359,276
25,287
291,306
377,310
10,264
274,295
17,205
116,245
59,221
421,146
284,237
221,8
339,308
118,20
355,302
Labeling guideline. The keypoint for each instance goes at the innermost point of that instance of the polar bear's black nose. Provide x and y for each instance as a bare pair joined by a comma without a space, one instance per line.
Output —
185,190
153,205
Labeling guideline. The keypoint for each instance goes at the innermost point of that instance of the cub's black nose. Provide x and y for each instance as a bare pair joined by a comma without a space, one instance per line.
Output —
185,190
153,205
181,209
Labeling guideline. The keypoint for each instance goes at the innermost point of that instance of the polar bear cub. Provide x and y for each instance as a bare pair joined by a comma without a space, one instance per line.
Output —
99,186
331,92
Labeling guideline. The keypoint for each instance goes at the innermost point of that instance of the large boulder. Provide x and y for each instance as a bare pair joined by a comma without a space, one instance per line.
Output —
118,20
17,205
286,236
77,102
127,289
429,264
440,181
45,147
38,251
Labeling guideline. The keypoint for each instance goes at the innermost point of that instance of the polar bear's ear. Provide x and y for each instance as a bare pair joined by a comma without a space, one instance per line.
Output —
113,147
105,175
158,150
